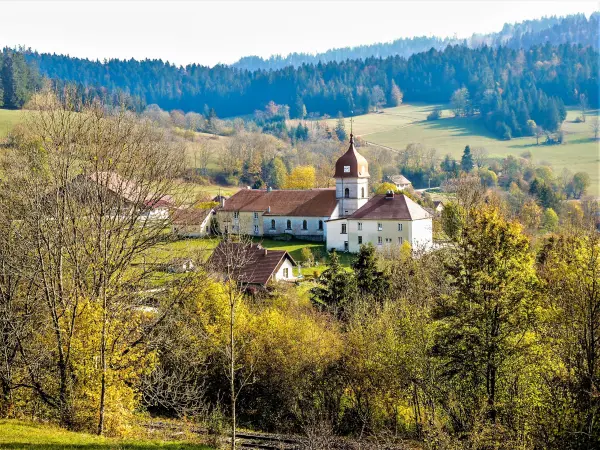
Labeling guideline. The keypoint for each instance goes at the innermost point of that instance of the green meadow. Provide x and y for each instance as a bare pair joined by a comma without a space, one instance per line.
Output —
405,124
8,119
19,435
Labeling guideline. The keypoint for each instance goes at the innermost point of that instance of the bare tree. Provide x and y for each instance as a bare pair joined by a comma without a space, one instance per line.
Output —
234,261
480,155
92,187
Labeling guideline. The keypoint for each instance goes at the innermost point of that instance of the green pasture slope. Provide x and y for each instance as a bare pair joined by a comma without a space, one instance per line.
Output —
19,435
397,127
8,119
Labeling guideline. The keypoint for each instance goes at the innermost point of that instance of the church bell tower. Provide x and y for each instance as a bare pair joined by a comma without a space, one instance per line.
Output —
351,181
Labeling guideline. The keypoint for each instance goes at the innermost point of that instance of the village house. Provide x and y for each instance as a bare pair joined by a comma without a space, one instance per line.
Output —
192,222
344,217
400,181
252,264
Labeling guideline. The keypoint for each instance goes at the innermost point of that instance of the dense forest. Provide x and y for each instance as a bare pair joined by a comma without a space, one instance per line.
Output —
574,29
18,80
507,87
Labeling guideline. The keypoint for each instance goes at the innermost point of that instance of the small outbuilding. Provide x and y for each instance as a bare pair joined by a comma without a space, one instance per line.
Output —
252,264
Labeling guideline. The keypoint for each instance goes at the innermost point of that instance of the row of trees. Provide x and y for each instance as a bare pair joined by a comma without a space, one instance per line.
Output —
490,75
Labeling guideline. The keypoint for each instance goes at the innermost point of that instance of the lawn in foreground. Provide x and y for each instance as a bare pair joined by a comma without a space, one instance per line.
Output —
397,127
24,435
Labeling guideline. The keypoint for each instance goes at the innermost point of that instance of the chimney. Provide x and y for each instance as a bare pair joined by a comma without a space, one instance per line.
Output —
389,194
269,188
268,209
222,202
265,251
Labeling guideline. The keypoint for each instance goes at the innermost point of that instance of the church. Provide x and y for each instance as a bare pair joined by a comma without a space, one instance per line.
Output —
343,217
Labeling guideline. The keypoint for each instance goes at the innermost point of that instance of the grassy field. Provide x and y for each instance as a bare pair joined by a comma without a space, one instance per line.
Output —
8,118
397,127
204,246
23,435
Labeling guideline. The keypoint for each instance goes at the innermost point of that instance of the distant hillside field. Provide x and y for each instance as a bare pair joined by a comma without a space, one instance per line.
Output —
8,119
397,127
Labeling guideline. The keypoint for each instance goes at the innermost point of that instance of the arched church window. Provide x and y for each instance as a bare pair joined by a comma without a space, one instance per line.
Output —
320,225
289,224
347,193
272,224
304,225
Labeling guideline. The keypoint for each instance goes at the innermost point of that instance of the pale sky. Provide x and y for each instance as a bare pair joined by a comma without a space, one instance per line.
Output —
210,32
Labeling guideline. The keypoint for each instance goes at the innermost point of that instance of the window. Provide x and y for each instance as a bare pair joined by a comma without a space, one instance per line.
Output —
255,215
362,192
286,272
388,240
379,240
359,240
400,241
379,226
226,230
289,225
359,226
236,214
304,225
272,224
399,227
320,225
343,228
347,193
345,246
255,229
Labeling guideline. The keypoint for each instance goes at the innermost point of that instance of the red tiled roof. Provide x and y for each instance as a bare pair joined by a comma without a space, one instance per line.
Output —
398,207
258,264
302,203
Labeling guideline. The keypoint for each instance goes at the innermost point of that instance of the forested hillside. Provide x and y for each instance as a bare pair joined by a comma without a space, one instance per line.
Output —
575,29
508,87
17,79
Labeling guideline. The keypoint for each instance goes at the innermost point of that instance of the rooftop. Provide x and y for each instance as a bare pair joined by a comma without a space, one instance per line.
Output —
351,164
302,203
394,207
249,263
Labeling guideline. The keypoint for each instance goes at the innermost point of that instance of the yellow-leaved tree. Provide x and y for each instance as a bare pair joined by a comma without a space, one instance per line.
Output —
302,177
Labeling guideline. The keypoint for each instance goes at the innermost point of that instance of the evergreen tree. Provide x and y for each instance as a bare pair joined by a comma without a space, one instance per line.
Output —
335,287
9,87
369,280
466,162
340,128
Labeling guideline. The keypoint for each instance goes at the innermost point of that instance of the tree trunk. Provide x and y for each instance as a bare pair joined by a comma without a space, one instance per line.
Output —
232,369
103,366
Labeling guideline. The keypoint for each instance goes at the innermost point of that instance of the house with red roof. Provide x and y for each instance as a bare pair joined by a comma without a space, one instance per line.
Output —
344,217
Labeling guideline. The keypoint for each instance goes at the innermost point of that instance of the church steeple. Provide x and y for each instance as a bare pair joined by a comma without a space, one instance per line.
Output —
351,180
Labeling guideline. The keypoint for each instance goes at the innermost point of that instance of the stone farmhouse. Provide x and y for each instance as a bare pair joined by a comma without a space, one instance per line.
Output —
343,217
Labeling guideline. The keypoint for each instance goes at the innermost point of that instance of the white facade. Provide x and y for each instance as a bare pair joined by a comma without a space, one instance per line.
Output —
349,234
285,271
309,227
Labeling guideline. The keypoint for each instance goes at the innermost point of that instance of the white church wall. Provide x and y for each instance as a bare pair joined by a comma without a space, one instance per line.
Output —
421,234
335,239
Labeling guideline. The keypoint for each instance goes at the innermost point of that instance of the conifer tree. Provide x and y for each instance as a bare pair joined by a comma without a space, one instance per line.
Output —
370,281
466,163
334,288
